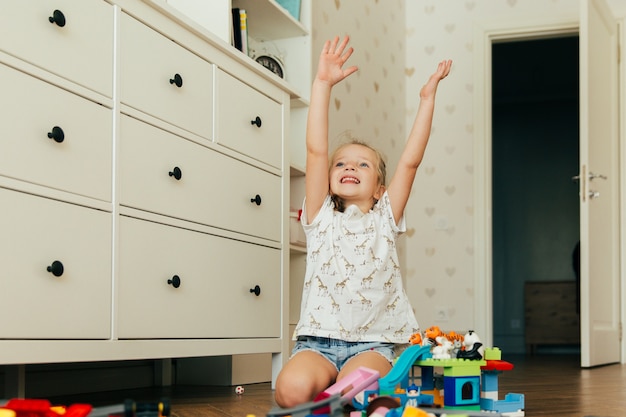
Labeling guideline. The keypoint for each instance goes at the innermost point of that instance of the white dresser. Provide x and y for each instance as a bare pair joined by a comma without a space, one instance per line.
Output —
144,180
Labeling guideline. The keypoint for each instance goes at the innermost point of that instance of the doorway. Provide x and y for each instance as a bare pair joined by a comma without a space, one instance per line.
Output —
535,154
600,93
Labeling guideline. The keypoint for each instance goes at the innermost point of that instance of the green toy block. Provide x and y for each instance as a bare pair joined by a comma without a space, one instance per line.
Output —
493,354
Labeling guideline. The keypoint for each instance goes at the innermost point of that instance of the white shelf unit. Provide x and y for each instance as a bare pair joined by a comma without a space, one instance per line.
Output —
147,126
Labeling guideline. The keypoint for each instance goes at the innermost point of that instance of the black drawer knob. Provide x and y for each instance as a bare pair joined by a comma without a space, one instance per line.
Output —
257,121
176,173
256,200
178,80
174,282
256,290
58,18
57,134
56,268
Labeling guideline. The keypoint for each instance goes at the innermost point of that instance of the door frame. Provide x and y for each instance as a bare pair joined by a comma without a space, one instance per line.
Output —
485,34
621,27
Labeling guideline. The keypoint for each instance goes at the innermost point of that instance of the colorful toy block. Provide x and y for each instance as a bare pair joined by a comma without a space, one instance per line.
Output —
468,386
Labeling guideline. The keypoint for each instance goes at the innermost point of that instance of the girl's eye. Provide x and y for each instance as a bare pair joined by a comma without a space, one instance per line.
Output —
339,164
364,165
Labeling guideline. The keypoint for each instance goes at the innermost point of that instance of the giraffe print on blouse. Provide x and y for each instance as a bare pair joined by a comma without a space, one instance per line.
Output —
352,286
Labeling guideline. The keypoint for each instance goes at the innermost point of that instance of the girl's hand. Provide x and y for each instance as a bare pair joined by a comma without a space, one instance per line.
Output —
332,59
430,88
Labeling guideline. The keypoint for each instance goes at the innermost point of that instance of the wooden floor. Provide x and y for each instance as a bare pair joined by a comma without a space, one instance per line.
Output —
554,385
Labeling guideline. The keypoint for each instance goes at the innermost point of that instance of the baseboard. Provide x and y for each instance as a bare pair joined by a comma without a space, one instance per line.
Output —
49,380
224,370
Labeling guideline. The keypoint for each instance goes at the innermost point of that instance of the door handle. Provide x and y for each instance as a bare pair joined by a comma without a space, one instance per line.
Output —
593,176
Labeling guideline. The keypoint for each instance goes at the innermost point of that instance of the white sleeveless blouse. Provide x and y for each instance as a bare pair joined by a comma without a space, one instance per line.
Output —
352,286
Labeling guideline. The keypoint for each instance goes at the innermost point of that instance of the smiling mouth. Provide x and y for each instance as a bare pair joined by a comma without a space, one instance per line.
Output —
352,180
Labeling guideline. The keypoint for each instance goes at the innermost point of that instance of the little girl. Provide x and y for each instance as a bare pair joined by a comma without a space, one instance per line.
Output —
354,308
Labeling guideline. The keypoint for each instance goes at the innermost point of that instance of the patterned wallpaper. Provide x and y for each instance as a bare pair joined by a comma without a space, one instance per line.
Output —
369,105
397,45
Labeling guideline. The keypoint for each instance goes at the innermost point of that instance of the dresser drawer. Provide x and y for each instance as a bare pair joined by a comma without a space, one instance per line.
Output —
76,158
248,121
81,50
213,189
150,67
176,283
36,303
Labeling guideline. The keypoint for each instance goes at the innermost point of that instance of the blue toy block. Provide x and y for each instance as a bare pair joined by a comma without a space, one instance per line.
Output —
490,381
512,402
426,399
428,378
461,391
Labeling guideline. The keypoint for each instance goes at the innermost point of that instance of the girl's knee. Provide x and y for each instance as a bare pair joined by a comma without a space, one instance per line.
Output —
304,376
299,382
292,390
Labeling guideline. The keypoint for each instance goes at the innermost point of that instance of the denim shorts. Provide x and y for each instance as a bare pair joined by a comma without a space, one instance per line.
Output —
338,352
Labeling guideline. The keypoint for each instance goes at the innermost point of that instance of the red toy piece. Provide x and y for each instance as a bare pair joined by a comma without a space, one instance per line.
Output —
497,365
43,408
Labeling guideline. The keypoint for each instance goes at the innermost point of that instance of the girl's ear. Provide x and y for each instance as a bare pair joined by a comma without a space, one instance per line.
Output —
379,193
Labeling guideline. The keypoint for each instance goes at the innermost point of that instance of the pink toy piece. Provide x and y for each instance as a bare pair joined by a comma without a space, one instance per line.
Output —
357,381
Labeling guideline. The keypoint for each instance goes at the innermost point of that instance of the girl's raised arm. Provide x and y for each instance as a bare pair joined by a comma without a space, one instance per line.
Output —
330,71
400,185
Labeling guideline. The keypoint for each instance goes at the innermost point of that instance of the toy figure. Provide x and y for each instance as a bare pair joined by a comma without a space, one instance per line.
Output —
416,339
473,347
443,348
430,335
412,395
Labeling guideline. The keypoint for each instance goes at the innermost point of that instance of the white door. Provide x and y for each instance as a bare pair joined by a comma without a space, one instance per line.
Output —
599,186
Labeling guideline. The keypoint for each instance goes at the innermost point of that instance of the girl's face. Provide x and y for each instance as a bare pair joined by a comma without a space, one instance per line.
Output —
354,175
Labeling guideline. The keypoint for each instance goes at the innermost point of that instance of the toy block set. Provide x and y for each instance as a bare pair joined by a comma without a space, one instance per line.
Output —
439,374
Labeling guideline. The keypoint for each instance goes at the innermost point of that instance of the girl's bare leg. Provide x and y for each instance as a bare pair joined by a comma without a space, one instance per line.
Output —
304,376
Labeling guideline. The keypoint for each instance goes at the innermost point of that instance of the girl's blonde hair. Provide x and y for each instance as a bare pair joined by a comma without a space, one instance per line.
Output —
381,168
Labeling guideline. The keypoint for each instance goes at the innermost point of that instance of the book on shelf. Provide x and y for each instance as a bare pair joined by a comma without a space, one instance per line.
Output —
236,28
243,17
240,29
